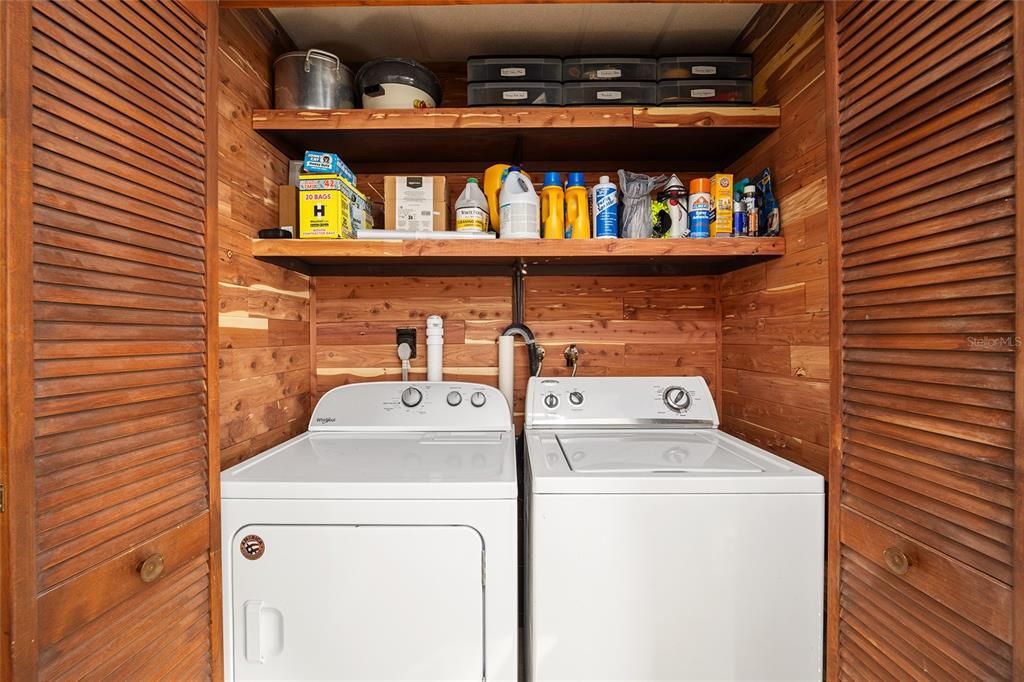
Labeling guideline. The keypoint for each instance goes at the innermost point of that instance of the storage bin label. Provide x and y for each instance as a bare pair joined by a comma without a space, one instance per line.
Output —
702,92
609,73
609,94
513,72
704,70
514,94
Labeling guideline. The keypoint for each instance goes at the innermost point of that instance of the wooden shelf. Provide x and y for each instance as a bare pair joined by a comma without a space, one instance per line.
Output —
698,137
669,255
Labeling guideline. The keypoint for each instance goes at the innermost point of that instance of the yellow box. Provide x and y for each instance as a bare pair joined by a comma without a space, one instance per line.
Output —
324,208
721,205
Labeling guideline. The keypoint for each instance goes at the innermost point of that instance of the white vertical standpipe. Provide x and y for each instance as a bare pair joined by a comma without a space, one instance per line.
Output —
506,366
435,348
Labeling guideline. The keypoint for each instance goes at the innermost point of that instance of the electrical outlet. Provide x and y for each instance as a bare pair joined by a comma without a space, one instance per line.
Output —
406,335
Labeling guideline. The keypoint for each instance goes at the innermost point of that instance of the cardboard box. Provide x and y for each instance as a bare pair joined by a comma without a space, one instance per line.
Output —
330,164
325,211
721,205
287,206
415,203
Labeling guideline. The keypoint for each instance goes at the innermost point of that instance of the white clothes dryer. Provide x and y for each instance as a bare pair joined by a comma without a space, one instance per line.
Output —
378,545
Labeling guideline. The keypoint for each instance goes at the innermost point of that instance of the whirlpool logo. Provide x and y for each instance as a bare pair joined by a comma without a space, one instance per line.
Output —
326,420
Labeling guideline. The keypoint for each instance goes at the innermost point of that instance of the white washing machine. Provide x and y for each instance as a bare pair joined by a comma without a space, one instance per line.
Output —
661,548
378,545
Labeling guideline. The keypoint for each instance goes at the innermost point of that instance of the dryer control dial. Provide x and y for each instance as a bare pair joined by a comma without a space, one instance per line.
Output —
676,399
576,398
411,397
477,399
551,401
454,398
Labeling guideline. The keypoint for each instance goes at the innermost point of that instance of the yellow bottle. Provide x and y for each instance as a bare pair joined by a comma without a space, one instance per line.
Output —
552,207
494,176
576,210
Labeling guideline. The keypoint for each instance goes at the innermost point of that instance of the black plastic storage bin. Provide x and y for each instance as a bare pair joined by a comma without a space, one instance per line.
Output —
514,94
591,93
609,69
704,92
701,68
500,69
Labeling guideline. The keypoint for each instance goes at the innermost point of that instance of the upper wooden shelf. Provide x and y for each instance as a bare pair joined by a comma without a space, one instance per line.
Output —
709,255
517,118
682,136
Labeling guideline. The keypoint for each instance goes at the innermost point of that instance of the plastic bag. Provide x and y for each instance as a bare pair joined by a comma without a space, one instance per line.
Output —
636,188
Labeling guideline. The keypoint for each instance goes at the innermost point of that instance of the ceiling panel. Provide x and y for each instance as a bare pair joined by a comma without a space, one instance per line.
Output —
454,32
697,29
616,32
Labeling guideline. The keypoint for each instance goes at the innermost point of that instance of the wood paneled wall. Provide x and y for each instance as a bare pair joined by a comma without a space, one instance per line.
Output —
621,325
775,325
264,309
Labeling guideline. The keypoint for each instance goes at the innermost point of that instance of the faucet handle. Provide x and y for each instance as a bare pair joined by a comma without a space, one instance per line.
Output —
572,357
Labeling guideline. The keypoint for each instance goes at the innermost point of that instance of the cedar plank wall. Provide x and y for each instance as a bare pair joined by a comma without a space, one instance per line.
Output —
775,327
264,309
622,326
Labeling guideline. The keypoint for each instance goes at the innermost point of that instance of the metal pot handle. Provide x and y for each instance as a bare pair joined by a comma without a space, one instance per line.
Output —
322,53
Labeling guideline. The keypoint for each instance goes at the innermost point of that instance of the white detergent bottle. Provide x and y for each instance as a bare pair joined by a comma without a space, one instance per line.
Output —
520,207
471,214
605,202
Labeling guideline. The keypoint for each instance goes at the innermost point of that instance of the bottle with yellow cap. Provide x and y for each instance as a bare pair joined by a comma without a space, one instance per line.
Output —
700,207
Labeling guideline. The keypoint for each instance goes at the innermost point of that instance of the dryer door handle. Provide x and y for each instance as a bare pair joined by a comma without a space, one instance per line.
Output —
253,615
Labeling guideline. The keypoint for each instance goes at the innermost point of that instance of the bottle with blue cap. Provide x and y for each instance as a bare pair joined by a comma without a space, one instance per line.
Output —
519,207
577,212
552,206
606,209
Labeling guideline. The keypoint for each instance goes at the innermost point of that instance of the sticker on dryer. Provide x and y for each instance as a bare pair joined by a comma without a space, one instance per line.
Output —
253,547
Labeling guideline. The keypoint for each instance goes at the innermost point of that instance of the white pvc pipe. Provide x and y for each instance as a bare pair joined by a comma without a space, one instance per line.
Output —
435,348
506,366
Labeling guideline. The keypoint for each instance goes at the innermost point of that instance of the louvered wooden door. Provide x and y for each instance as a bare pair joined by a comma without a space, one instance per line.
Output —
924,492
119,570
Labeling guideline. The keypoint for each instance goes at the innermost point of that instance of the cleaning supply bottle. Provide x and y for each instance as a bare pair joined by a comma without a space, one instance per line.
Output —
750,208
552,206
700,207
471,214
576,208
674,195
606,209
494,176
739,219
520,207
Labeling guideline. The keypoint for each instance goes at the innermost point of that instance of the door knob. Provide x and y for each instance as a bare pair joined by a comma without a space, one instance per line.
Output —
896,560
151,568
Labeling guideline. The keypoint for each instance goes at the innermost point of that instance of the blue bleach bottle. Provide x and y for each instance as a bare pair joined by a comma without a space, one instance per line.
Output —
606,209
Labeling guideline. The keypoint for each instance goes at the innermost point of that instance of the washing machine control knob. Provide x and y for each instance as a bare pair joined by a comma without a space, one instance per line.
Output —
411,397
551,401
676,398
576,398
454,398
477,399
